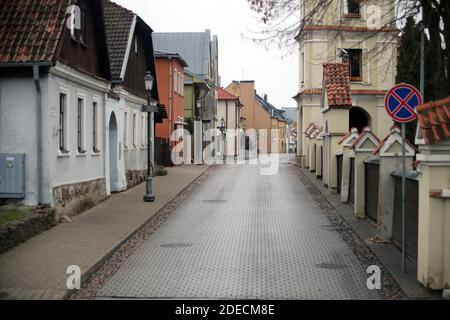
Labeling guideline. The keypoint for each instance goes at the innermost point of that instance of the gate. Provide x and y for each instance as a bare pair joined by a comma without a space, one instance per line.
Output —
411,213
339,159
162,152
351,189
372,181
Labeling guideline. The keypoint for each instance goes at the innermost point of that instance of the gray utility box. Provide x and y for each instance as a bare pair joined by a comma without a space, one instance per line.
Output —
12,176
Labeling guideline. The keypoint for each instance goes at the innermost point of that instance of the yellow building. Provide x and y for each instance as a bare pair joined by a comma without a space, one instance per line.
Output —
353,32
261,116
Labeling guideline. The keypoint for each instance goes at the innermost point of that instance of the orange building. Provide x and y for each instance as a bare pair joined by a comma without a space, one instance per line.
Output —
170,77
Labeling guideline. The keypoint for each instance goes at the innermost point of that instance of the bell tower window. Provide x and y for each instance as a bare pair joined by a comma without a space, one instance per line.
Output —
353,9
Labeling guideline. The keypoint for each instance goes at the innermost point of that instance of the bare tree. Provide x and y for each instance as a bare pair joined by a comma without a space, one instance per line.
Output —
432,15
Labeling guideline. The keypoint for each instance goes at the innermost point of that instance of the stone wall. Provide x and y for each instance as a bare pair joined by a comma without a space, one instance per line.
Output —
135,177
72,199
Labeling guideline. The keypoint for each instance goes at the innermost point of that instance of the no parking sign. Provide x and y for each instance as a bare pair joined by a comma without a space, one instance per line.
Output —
401,102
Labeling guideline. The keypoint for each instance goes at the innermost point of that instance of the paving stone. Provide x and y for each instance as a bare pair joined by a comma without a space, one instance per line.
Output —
242,235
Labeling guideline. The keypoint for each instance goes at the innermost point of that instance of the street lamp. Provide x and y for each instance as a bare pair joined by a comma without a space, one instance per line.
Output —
222,130
151,108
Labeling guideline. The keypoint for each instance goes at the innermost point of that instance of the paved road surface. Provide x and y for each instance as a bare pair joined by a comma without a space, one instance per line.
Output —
244,236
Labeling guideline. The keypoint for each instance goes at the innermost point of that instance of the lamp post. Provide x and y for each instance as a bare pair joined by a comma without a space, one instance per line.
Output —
151,107
222,131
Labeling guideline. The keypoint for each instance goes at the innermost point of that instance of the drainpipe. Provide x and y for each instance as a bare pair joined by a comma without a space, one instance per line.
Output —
170,100
39,132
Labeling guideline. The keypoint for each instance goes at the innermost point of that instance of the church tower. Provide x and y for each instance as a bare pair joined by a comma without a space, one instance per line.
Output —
357,32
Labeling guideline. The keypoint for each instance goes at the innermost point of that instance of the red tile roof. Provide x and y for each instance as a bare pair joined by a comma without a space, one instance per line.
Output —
336,78
30,30
225,95
434,120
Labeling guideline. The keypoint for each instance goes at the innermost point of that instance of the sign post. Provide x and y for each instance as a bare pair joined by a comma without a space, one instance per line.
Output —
400,103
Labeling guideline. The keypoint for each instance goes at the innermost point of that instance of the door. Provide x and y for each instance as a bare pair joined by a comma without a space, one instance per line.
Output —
351,190
339,159
372,171
113,154
411,215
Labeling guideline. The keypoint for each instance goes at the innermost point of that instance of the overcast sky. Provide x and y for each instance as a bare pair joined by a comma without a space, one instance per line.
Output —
274,72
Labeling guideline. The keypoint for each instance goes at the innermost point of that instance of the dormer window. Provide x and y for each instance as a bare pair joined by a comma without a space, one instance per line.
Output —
352,9
77,23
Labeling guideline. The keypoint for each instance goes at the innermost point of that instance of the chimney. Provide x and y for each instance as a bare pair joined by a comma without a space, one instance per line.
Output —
265,98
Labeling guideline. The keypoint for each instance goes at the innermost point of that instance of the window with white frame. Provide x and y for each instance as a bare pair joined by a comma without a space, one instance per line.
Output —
134,128
352,8
180,85
63,123
80,126
302,74
125,130
95,132
143,130
175,81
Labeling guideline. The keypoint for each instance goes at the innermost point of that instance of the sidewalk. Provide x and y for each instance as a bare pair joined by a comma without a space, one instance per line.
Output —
388,254
36,269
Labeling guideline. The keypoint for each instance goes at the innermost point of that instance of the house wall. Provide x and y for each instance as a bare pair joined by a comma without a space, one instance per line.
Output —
135,155
18,111
72,181
255,116
175,110
131,161
323,46
189,100
229,111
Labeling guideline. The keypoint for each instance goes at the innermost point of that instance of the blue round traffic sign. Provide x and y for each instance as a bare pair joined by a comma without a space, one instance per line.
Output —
401,102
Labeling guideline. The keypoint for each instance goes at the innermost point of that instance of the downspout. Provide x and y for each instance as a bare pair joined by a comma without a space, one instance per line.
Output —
226,125
38,132
170,100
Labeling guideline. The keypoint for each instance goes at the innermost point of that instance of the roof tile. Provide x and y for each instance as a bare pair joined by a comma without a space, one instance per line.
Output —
434,120
337,83
30,30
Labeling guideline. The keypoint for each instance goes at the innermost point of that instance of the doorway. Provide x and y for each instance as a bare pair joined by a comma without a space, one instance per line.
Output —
113,154
359,119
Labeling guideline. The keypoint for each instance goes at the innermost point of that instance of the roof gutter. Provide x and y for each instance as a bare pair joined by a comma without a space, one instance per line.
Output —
25,64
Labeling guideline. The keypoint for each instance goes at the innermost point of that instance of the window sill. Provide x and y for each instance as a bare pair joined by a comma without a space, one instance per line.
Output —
82,155
352,16
61,154
96,153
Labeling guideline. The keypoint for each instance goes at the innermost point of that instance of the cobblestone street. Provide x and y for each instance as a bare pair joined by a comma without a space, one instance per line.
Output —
242,235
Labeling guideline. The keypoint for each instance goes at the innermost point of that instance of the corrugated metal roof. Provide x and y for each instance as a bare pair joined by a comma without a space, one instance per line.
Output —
194,47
